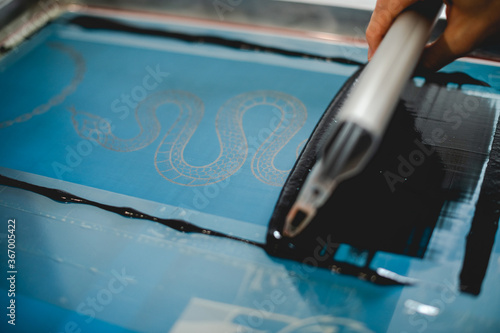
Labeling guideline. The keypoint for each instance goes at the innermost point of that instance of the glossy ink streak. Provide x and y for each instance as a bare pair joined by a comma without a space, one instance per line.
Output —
96,23
433,152
65,197
482,233
363,273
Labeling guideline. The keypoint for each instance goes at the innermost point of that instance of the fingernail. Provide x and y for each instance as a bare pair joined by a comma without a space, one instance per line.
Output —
370,54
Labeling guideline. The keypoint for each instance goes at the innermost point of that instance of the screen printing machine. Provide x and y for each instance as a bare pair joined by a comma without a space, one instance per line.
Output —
151,149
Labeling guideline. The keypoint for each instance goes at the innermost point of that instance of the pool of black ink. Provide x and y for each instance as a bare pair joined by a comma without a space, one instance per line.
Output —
429,156
66,197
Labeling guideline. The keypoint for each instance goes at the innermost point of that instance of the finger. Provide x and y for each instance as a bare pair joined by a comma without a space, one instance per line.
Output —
437,55
460,36
382,18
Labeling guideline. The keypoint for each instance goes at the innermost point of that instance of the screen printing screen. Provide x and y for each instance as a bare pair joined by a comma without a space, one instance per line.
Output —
199,123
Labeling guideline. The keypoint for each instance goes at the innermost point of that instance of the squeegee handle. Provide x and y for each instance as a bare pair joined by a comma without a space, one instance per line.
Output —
379,87
363,118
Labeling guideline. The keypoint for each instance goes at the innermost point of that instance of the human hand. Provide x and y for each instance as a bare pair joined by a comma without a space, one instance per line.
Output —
470,24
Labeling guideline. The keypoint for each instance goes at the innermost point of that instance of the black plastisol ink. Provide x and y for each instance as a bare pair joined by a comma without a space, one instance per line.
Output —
184,226
367,211
65,197
98,23
444,78
433,151
481,237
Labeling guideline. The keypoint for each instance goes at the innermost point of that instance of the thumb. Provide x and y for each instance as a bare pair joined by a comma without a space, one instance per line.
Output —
459,38
437,55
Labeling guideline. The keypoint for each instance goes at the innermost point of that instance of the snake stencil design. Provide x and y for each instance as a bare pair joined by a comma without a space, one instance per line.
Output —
169,156
79,73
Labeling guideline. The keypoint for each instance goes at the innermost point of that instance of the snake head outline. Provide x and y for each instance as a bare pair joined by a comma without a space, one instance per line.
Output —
90,126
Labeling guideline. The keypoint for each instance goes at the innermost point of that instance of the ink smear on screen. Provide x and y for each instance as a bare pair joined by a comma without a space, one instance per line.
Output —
431,156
